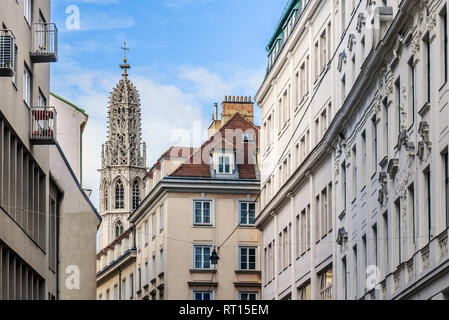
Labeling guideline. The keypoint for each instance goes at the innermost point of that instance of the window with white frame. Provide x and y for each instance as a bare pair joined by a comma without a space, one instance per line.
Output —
201,257
202,295
247,258
146,232
244,296
153,267
147,271
116,292
136,194
41,100
161,261
139,279
27,86
153,224
131,286
124,297
247,213
161,218
202,212
224,164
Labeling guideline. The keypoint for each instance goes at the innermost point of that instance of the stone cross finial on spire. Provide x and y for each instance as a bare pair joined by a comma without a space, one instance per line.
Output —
125,66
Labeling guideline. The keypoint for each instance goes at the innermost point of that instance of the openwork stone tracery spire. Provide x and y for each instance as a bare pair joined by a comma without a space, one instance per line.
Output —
123,158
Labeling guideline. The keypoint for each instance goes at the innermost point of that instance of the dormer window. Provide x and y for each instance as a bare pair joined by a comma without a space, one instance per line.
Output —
248,137
224,164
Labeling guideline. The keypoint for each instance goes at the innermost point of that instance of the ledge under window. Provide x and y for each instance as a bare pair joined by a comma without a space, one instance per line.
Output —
203,271
257,272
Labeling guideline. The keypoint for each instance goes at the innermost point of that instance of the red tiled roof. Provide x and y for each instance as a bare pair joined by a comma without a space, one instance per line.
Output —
228,137
175,152
178,152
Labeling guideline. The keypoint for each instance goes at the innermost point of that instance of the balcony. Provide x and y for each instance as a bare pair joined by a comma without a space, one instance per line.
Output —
326,293
44,43
7,53
43,126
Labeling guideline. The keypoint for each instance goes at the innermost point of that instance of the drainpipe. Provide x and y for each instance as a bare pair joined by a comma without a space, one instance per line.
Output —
58,261
120,284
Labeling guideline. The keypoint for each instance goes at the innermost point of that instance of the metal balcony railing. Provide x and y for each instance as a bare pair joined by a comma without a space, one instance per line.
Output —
43,125
7,53
326,293
44,43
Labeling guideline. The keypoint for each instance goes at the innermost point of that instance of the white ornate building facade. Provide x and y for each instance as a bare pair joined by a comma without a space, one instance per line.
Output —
391,164
373,170
123,161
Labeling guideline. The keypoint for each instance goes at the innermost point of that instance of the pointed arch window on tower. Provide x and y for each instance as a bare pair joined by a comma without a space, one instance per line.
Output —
106,197
136,194
119,195
118,229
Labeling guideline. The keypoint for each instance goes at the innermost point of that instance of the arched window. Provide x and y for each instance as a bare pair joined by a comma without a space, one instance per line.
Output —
136,194
119,195
106,197
118,229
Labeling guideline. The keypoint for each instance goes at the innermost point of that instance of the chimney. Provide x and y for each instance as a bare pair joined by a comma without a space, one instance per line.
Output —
216,123
215,115
240,104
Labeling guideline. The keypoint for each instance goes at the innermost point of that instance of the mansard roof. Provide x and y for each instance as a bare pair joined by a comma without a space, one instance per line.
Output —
198,167
291,5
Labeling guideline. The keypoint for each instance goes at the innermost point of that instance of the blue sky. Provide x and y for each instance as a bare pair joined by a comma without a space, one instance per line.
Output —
185,56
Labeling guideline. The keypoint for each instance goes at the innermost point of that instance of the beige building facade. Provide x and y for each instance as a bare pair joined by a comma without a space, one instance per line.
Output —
195,203
39,232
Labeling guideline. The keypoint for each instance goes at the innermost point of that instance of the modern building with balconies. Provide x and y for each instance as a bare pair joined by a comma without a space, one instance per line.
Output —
47,222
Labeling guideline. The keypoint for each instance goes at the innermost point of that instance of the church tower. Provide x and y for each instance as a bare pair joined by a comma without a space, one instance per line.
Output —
123,160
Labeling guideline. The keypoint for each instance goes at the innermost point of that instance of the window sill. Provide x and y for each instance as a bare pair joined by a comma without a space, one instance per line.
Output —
203,271
203,226
424,109
246,226
248,272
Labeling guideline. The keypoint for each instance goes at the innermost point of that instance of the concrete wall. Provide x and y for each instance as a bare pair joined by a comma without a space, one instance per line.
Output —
14,232
70,122
78,227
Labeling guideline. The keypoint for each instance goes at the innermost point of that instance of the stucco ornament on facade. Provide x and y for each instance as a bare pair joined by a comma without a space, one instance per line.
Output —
432,24
389,85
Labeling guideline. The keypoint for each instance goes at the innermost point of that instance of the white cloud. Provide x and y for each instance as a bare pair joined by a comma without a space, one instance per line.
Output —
167,110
